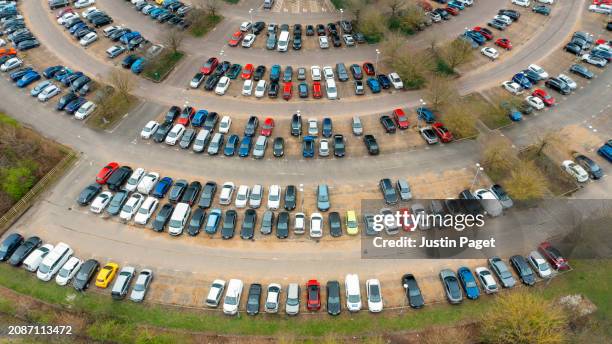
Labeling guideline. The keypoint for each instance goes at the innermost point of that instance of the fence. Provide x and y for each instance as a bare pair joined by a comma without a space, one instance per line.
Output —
28,199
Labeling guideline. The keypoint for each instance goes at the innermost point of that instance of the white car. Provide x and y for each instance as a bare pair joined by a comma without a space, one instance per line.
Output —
146,210
247,87
274,197
546,1
130,207
601,9
227,190
225,124
34,259
313,129
331,89
2,42
323,147
215,293
232,297
245,26
486,280
148,182
248,40
100,202
299,223
396,81
222,86
489,202
316,225
175,134
134,179
315,72
85,110
323,42
512,87
197,80
524,3
242,196
535,102
260,89
61,20
352,292
256,196
348,40
594,60
83,3
273,298
569,81
374,293
39,87
91,10
489,52
68,271
575,171
149,129
539,70
539,264
504,19
88,39
48,93
328,72
11,64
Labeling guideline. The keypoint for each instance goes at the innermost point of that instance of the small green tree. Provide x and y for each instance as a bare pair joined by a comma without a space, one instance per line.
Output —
498,156
457,52
372,25
17,181
410,67
440,90
526,182
460,121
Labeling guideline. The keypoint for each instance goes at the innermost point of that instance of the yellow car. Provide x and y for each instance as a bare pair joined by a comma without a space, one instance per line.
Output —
352,225
106,275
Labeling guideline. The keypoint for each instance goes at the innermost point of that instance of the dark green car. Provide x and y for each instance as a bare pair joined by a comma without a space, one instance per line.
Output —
541,9
234,71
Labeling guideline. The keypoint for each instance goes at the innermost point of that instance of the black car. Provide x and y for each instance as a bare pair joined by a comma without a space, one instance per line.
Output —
229,224
196,222
558,85
573,48
28,44
128,61
172,114
211,82
590,166
336,41
119,177
388,191
278,147
24,250
89,193
162,131
371,144
413,292
321,30
49,72
259,72
267,222
222,68
333,297
514,15
273,90
470,203
442,13
65,100
290,197
117,202
296,125
258,27
335,224
388,124
523,270
339,145
177,190
207,195
251,126
297,42
9,245
211,121
85,274
497,24
310,30
282,225
187,138
162,217
384,81
581,70
253,299
191,193
248,224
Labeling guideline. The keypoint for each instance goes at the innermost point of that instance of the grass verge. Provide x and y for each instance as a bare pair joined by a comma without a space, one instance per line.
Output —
202,23
112,106
158,69
338,4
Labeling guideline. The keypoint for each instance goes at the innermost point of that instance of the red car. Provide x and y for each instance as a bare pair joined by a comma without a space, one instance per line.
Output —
553,256
235,39
209,66
484,31
452,11
368,68
64,11
442,132
268,125
602,2
313,290
287,90
405,220
316,89
186,116
401,119
504,43
106,172
546,98
247,71
425,5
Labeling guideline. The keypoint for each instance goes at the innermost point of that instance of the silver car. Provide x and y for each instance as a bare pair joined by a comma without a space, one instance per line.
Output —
256,196
215,144
260,147
500,269
292,305
404,190
357,126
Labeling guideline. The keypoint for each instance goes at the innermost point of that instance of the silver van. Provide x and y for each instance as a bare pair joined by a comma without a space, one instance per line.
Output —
122,283
267,5
201,141
292,305
215,144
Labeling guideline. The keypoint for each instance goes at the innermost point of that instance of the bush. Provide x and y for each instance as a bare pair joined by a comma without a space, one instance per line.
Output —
111,331
17,181
526,182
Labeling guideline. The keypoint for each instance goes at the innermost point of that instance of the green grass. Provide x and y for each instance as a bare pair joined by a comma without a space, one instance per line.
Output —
4,119
233,2
117,106
338,4
159,69
203,24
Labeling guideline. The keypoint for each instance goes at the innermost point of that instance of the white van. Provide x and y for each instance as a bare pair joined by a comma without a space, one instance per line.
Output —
54,261
267,5
232,297
179,218
353,293
283,41
332,90
201,140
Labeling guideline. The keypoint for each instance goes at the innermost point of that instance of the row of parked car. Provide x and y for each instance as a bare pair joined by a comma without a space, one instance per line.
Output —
83,26
172,12
58,262
13,27
589,50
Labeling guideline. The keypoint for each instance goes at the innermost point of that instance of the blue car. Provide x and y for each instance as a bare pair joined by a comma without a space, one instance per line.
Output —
515,115
476,36
426,114
20,73
49,72
230,145
75,105
128,36
59,75
70,78
374,85
384,81
138,65
76,27
468,282
212,223
522,80
199,118
606,151
327,127
162,187
308,146
28,78
275,72
532,76
245,147
156,13
456,4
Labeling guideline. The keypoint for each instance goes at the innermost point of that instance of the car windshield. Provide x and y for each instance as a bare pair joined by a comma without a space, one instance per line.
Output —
82,274
543,267
143,210
230,300
43,268
293,302
470,284
139,287
374,293
175,223
353,298
127,208
64,272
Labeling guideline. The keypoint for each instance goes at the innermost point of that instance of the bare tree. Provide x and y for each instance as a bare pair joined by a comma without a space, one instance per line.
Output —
411,68
173,39
122,81
457,52
395,6
413,17
498,156
440,90
356,7
213,6
372,24
526,182
548,139
460,121
393,46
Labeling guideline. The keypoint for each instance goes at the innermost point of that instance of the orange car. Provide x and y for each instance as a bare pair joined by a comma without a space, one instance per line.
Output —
235,39
8,51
